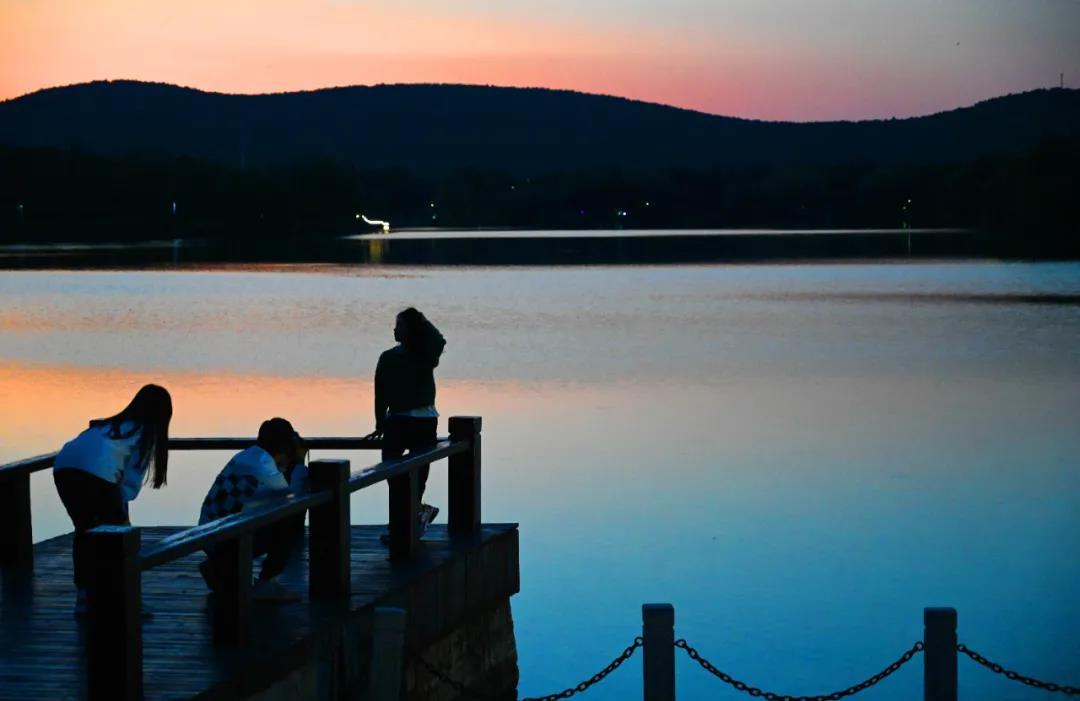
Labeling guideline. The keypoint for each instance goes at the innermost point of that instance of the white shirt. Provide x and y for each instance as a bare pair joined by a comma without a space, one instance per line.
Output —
427,412
110,458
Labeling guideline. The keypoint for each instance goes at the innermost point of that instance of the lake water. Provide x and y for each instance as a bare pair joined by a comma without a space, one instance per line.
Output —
798,457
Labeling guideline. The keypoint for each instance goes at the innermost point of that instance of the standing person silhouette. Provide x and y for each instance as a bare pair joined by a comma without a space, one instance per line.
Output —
405,415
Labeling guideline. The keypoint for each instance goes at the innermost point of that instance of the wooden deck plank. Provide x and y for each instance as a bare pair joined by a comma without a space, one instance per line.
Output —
41,643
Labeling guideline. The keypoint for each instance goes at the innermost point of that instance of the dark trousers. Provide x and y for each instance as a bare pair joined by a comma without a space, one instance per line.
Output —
401,433
277,541
90,502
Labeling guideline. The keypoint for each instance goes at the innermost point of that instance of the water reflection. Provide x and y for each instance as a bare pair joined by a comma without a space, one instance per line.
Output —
799,458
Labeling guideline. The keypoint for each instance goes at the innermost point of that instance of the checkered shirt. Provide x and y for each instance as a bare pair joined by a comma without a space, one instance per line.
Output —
250,476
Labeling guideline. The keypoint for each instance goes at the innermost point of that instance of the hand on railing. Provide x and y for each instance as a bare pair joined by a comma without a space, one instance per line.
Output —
375,435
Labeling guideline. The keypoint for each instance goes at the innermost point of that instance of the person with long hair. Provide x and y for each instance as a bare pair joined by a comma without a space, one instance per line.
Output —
405,414
103,468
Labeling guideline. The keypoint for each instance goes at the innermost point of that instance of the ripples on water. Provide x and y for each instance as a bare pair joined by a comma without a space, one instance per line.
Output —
798,457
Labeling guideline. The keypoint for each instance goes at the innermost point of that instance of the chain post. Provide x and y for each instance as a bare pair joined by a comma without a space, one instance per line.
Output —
939,663
658,667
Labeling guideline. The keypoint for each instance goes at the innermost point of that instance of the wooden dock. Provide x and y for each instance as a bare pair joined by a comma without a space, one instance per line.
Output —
44,645
450,592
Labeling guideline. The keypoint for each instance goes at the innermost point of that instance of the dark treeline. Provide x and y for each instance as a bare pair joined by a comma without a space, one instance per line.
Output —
53,195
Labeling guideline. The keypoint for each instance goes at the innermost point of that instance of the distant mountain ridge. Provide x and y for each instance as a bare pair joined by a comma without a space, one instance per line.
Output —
432,129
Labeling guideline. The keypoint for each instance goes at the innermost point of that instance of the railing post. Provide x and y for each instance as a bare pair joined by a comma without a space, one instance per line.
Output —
329,573
939,654
232,599
404,530
387,649
464,477
658,667
16,533
114,612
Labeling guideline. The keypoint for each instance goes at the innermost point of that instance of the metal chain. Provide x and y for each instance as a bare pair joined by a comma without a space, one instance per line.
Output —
751,690
564,694
594,679
1014,676
754,691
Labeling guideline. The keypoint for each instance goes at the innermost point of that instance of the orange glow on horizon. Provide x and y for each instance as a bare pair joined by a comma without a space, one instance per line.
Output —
787,60
42,406
285,45
258,46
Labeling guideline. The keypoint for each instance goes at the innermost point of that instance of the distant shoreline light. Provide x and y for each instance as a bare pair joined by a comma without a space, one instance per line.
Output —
376,222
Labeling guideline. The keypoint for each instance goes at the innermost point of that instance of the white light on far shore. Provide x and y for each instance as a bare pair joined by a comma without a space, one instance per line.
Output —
376,222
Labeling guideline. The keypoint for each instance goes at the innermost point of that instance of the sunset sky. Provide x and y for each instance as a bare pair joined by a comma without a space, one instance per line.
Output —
771,59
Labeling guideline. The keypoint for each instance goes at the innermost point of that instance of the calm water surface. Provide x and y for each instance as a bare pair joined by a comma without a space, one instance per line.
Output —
799,458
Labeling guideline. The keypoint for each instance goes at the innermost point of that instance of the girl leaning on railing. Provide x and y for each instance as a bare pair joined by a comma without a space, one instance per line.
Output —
103,468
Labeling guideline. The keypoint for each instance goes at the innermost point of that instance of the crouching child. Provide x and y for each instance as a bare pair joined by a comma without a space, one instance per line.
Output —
254,477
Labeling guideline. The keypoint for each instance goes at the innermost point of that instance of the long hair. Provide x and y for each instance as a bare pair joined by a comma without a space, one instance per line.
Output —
150,410
420,336
412,321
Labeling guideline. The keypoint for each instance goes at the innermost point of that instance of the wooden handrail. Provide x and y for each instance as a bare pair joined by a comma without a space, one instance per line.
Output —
45,461
209,534
399,466
249,520
27,465
316,443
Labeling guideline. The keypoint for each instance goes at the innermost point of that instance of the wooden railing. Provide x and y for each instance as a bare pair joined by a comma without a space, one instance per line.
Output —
16,528
114,633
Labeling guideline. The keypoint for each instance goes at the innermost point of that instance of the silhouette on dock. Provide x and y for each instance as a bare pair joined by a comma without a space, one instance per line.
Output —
453,587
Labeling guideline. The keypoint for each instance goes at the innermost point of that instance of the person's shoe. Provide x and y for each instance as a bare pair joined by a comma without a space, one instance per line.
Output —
271,591
427,515
424,516
206,569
